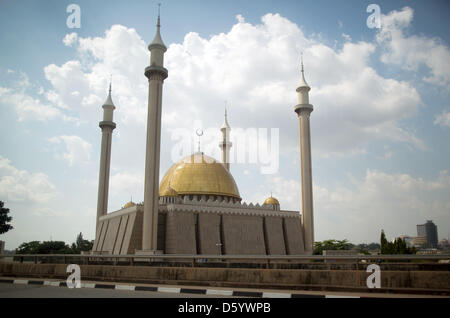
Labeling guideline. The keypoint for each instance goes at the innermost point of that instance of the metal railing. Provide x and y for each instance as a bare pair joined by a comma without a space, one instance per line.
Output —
131,259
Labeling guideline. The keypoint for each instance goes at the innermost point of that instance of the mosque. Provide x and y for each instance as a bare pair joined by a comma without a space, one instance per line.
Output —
197,208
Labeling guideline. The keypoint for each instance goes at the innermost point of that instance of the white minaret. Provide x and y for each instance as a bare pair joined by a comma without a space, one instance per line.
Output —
156,74
107,126
225,144
303,110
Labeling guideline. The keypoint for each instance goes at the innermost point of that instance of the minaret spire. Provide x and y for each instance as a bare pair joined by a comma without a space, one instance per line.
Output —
110,81
158,25
302,82
157,41
225,144
225,120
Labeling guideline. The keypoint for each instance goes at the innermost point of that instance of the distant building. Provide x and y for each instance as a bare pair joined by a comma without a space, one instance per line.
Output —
408,240
444,244
428,230
419,242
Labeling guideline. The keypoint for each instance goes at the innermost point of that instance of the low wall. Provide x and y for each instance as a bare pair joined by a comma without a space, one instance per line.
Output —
432,281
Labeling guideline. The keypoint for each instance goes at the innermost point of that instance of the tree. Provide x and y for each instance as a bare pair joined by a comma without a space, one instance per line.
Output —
55,247
384,244
319,247
29,248
397,247
4,219
81,244
46,247
373,246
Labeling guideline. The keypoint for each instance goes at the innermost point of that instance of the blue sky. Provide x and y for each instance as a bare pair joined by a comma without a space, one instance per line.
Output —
380,126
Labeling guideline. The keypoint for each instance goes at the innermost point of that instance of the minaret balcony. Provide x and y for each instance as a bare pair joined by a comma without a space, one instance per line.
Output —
110,124
303,108
156,70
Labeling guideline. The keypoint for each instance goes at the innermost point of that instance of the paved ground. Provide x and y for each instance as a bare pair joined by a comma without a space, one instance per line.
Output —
25,288
36,291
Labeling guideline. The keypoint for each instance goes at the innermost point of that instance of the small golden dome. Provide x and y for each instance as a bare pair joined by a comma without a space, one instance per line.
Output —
168,192
271,200
129,204
199,174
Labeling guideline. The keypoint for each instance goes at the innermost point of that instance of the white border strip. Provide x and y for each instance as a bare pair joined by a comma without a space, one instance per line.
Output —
219,292
177,290
169,290
125,287
276,295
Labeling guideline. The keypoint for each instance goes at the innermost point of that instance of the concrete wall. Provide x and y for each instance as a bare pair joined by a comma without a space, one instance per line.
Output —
197,232
119,234
180,233
292,236
292,279
209,228
273,231
243,235
136,234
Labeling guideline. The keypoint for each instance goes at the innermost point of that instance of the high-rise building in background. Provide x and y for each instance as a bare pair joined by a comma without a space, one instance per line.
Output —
428,230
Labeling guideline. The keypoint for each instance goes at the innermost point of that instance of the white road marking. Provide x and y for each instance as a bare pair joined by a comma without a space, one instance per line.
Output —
276,295
219,292
169,289
124,287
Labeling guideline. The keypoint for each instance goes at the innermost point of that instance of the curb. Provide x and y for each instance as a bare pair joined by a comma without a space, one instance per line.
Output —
176,290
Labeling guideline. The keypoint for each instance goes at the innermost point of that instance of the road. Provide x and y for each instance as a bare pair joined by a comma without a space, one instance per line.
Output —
40,291
38,288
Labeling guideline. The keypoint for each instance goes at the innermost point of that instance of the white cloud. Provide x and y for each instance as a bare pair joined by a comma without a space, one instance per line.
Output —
393,202
443,119
410,52
22,186
204,72
70,39
123,186
347,37
84,82
27,107
77,150
253,66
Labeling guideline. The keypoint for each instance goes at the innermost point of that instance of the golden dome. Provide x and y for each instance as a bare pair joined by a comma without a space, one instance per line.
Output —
199,174
272,200
129,204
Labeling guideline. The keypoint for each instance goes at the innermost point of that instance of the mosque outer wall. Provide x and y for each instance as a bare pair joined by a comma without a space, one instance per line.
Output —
197,229
120,234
